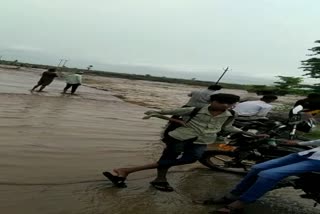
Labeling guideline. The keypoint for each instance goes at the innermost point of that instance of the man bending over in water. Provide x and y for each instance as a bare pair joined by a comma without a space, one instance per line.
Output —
46,78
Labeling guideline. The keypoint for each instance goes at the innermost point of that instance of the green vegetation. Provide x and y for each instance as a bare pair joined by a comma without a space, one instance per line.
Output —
288,83
292,85
312,65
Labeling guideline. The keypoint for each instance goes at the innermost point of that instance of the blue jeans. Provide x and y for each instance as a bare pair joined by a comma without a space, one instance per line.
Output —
191,152
264,176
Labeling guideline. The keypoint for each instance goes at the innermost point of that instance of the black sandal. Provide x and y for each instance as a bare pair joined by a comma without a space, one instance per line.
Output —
162,186
116,180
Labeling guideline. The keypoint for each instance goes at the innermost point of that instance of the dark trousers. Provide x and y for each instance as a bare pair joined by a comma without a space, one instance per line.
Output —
73,89
191,152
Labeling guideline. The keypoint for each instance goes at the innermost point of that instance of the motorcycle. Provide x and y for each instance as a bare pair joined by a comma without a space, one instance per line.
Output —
284,128
240,152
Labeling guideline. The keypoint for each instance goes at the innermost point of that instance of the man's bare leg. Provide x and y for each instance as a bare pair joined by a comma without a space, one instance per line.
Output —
124,172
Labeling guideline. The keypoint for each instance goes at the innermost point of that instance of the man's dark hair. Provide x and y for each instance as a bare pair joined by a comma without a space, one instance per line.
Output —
313,96
52,70
269,98
215,87
225,98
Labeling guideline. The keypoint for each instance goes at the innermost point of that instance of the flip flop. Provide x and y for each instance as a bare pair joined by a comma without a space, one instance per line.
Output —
162,186
116,180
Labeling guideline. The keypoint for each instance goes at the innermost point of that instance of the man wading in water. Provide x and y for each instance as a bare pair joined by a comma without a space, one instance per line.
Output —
46,78
191,138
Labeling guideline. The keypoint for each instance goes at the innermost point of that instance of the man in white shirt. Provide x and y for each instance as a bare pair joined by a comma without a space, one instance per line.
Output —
264,176
73,81
201,98
258,108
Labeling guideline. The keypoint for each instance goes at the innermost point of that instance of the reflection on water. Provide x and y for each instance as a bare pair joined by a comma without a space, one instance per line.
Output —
54,148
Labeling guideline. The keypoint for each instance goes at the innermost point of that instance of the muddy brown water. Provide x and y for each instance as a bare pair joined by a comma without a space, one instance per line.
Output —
54,147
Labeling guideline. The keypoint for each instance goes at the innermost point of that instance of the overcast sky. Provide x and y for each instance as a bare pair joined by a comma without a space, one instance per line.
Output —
186,38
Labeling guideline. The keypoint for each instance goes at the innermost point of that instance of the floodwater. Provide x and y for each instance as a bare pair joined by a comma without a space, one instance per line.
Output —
53,148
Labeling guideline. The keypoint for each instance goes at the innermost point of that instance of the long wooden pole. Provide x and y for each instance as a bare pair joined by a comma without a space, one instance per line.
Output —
224,72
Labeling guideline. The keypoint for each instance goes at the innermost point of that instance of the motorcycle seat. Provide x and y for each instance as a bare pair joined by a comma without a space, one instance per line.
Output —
251,119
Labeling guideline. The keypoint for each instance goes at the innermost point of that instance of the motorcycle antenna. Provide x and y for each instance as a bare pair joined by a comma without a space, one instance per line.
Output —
224,72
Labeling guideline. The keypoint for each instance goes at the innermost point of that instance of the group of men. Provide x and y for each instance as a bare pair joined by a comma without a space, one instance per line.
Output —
186,144
250,109
73,81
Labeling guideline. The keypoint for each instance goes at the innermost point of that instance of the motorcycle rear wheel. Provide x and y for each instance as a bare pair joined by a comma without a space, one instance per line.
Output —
225,161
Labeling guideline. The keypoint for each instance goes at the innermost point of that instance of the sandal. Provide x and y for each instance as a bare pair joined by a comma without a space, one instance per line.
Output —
116,180
162,186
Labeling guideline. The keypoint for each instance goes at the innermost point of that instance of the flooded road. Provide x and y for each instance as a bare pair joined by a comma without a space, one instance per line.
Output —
54,147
